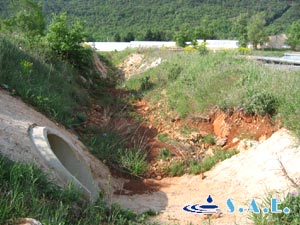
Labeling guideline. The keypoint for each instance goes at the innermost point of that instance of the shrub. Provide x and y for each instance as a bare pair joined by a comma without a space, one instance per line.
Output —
174,72
202,49
145,83
243,50
261,103
65,41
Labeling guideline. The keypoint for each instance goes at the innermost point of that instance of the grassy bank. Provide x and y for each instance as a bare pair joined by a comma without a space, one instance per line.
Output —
28,192
190,83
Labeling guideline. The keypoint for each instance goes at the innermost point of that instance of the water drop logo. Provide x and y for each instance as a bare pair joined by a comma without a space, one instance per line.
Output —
208,208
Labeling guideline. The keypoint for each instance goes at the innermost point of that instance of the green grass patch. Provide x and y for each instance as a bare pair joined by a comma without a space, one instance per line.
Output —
163,137
219,155
111,148
291,200
134,160
164,153
52,87
25,191
195,83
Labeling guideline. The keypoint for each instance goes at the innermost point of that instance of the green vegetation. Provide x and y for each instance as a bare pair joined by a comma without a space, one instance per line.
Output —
226,80
219,155
110,147
164,153
42,84
209,139
294,35
256,30
196,166
134,160
65,41
28,192
149,20
292,201
163,137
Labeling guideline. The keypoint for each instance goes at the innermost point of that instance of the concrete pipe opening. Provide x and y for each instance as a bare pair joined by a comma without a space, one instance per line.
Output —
65,159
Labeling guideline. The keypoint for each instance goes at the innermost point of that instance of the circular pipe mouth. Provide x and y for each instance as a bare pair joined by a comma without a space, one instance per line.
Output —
64,158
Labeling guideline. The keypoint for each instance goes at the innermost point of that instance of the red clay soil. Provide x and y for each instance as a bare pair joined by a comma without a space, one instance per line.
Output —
233,126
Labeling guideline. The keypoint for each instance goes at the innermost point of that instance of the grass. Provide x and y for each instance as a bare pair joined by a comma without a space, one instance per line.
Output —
164,153
46,85
25,191
209,139
224,79
219,155
291,200
110,147
193,166
163,137
134,160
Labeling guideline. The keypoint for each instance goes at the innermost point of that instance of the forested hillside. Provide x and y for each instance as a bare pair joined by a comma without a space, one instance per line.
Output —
161,19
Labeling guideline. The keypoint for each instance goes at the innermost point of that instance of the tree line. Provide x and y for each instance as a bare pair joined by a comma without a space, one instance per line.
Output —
123,20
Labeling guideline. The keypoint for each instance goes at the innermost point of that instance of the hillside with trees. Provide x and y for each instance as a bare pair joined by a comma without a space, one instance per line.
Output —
125,20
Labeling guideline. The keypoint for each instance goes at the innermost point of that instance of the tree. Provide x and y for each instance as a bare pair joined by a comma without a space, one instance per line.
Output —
256,30
205,30
65,40
28,21
181,39
129,37
117,37
29,18
240,30
294,35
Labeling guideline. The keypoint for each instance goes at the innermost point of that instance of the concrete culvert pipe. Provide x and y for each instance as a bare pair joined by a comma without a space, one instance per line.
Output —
65,159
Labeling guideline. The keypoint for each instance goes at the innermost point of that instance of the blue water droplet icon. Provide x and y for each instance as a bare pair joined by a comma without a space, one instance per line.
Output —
209,199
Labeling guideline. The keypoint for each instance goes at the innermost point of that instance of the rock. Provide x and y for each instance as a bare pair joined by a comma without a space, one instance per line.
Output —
262,138
221,141
235,140
195,137
246,144
221,128
158,178
200,118
209,152
27,221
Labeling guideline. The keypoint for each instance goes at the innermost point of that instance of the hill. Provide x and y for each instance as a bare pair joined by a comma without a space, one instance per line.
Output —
152,19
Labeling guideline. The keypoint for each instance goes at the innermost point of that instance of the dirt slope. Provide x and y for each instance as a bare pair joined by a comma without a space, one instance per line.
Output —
250,174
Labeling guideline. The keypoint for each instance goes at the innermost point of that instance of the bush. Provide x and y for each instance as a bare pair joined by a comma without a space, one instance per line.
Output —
65,41
243,50
261,103
202,49
174,72
145,83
